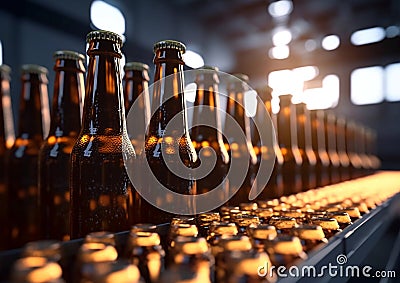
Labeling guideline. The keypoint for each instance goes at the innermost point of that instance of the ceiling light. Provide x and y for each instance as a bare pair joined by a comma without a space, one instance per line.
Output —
282,37
280,8
193,59
107,17
330,42
279,52
367,36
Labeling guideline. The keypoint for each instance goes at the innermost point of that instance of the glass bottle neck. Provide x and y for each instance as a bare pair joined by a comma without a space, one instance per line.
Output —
168,97
317,131
67,99
136,82
103,111
34,111
303,127
287,127
206,96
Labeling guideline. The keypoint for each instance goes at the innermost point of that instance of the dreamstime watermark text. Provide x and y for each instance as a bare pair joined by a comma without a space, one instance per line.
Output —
338,269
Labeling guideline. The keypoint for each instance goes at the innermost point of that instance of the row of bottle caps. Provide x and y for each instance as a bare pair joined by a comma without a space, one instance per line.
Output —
229,246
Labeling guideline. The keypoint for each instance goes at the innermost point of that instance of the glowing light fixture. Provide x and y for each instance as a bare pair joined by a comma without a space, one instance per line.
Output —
392,74
367,36
279,52
107,17
280,8
323,97
367,85
282,37
306,73
330,42
193,59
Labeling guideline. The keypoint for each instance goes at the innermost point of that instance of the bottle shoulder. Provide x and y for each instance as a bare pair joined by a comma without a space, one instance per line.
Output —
89,145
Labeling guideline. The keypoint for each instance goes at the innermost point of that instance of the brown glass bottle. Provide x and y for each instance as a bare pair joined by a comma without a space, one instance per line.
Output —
168,101
330,144
34,119
351,146
309,159
54,155
341,149
236,89
264,151
318,146
7,137
101,192
209,138
136,86
287,139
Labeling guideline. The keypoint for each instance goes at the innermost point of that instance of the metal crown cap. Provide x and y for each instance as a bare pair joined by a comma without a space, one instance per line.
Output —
104,35
169,44
136,66
67,54
34,69
5,69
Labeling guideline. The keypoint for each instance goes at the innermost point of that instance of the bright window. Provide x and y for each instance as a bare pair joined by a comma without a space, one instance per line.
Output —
323,97
193,59
367,85
392,75
330,42
107,17
367,36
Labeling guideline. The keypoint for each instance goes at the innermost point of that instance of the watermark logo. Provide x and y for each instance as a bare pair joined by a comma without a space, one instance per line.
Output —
338,269
148,185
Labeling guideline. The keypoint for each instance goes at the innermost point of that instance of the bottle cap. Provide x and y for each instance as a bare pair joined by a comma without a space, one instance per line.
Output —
67,54
143,227
282,222
287,245
182,219
209,217
169,44
104,35
97,252
103,237
119,271
264,212
45,248
235,243
295,213
249,263
145,239
136,66
309,232
248,206
5,69
247,220
34,69
326,223
353,212
183,229
190,245
223,229
263,232
340,216
35,269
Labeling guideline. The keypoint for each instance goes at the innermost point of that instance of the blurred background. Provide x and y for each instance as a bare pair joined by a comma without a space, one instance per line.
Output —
338,54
